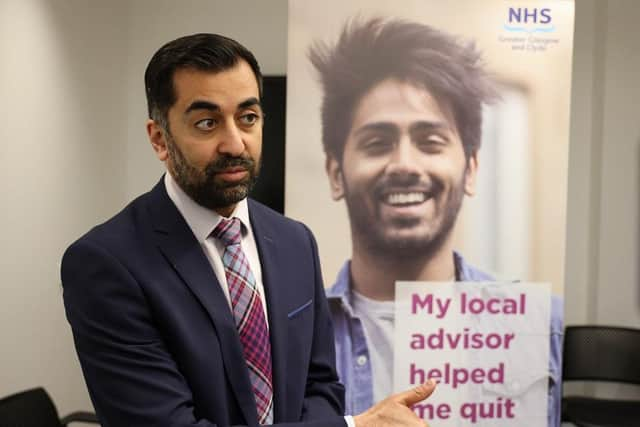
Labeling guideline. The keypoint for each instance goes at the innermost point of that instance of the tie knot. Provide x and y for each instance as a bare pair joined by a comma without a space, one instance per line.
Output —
228,231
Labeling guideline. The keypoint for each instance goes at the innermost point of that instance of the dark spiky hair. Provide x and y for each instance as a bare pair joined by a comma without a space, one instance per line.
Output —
203,52
370,51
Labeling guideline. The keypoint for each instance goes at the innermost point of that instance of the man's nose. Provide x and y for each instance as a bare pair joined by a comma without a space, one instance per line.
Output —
231,142
403,159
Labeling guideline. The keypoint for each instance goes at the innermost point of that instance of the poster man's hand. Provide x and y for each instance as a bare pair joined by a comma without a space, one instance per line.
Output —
395,410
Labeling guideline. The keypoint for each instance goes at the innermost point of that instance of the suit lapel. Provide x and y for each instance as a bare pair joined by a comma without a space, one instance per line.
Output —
271,263
183,252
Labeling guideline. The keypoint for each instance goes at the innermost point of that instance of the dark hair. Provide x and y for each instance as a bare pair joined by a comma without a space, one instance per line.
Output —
369,52
203,52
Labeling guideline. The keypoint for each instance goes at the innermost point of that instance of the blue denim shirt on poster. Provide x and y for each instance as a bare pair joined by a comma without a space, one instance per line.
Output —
352,353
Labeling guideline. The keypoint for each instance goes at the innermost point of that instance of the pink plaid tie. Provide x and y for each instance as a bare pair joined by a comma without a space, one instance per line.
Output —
249,316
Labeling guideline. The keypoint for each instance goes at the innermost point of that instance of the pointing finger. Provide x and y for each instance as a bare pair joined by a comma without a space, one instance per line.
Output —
416,394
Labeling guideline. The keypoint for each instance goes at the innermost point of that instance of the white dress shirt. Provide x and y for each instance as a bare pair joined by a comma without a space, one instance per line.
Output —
203,221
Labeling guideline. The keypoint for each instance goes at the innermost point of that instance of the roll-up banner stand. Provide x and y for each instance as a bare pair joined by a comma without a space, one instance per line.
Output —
427,143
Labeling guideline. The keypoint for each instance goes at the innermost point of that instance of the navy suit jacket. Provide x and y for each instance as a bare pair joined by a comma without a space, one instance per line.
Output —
156,338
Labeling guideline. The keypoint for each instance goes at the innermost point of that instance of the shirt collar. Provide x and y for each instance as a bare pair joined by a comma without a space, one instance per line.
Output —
465,272
201,220
339,292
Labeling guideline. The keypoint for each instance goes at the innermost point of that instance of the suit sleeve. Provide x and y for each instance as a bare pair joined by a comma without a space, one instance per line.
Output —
131,376
324,393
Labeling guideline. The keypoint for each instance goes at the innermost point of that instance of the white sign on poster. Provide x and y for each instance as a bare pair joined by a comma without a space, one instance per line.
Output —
485,344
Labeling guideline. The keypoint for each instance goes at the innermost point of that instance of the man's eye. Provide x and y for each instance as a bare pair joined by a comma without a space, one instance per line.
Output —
249,119
431,143
205,124
377,145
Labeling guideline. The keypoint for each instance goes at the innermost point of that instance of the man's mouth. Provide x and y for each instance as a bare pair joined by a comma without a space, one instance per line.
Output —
233,174
405,198
233,170
230,169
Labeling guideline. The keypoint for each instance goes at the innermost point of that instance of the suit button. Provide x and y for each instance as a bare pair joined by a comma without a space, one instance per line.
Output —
362,360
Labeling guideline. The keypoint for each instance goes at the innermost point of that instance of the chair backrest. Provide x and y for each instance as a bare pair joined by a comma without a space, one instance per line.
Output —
601,353
31,408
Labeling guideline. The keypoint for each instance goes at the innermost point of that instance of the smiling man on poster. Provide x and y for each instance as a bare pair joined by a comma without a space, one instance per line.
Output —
401,129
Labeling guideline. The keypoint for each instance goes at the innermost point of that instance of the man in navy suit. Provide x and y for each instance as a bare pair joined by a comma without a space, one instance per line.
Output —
150,293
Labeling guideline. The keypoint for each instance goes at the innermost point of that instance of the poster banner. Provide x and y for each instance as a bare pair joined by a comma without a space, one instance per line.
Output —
428,141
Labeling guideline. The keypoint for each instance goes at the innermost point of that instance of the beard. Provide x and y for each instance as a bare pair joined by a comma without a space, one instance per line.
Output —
203,186
404,238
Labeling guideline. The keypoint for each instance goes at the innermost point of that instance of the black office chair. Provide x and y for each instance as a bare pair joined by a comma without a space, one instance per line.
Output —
34,408
601,353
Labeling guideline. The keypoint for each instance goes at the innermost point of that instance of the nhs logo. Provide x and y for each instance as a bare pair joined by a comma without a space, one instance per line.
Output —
529,20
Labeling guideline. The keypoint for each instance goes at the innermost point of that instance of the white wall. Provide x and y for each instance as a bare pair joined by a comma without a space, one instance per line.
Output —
618,290
72,108
61,82
603,239
603,228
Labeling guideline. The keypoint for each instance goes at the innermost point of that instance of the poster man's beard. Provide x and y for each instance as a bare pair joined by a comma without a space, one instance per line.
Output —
380,242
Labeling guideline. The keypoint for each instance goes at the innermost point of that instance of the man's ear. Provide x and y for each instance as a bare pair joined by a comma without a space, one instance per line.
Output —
157,139
470,174
334,172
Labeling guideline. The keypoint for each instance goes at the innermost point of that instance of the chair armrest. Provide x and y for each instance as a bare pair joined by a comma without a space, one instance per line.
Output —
80,416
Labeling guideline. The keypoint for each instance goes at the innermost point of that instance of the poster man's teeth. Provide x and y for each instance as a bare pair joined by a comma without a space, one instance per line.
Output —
405,198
